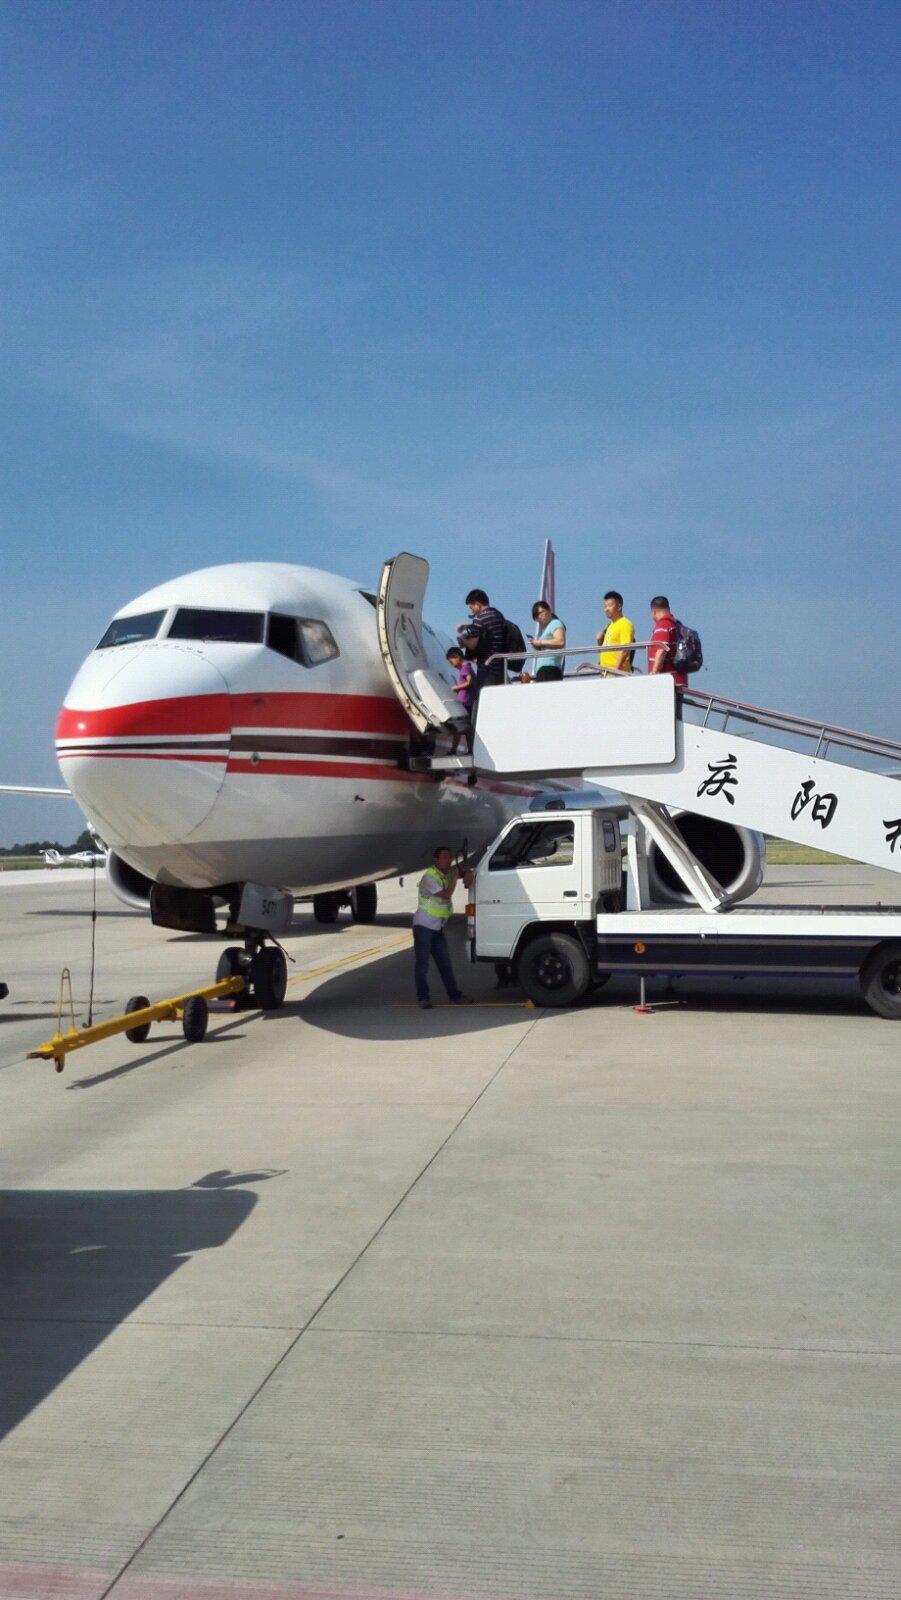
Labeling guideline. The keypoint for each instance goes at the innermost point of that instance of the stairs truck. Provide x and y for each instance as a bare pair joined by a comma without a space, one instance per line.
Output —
655,882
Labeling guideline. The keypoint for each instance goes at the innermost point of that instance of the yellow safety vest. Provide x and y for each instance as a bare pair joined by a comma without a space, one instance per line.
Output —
427,903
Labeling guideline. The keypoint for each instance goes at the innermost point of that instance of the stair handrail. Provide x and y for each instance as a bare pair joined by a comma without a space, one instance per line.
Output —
826,733
566,650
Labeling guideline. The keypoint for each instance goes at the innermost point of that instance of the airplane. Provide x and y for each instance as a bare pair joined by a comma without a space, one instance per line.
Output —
248,734
74,858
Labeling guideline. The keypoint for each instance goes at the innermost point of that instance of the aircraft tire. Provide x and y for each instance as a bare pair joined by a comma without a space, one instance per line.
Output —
269,977
230,964
194,1019
137,1002
880,980
554,970
326,907
364,902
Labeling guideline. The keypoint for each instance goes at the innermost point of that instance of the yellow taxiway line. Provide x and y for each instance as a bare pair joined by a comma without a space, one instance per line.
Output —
355,955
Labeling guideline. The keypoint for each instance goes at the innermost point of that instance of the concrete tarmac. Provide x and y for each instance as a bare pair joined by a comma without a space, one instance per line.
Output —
356,1302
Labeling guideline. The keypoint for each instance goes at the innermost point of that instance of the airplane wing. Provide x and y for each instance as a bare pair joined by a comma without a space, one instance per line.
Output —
27,788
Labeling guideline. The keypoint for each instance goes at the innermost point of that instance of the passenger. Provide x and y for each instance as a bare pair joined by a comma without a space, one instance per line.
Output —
660,659
550,632
481,637
619,630
436,891
463,688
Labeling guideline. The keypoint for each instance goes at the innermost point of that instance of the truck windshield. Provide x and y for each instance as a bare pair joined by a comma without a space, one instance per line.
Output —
530,844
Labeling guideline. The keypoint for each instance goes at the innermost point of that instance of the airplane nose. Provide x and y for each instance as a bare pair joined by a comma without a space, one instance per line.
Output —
144,747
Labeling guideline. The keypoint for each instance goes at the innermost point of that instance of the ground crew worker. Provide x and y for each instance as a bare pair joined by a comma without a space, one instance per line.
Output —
436,891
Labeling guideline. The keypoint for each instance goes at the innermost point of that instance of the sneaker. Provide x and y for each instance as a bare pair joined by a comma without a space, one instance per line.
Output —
425,1005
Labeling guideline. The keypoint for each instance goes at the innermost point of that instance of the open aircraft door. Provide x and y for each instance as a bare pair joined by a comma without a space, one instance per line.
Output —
412,655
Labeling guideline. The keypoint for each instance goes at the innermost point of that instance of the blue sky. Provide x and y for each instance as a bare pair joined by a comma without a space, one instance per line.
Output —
321,282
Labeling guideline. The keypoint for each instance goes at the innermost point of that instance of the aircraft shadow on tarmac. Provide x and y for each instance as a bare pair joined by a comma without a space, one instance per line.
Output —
77,1263
376,1001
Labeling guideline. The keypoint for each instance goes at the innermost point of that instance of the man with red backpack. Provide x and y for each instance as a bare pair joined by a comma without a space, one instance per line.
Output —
674,648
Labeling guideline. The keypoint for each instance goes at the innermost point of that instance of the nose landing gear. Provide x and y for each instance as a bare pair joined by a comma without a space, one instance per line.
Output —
262,966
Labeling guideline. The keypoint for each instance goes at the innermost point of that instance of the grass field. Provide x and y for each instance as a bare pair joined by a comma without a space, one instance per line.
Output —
781,853
28,864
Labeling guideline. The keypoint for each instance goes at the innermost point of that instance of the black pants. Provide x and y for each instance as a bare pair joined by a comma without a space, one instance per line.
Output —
485,678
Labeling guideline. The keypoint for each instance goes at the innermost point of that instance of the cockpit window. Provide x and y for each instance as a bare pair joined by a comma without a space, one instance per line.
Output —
229,627
302,639
131,630
316,641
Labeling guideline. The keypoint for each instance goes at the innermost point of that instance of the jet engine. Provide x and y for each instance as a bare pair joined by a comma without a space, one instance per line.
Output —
734,856
128,883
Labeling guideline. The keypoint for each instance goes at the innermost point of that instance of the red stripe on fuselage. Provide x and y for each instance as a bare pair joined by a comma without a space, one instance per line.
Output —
219,713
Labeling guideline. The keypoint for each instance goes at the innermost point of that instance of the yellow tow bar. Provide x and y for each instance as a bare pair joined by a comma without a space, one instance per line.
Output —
192,1008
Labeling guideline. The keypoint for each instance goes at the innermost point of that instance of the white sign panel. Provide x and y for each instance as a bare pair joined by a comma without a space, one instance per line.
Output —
781,792
577,723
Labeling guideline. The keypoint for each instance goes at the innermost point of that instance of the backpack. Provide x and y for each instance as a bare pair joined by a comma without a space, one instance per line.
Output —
688,655
513,640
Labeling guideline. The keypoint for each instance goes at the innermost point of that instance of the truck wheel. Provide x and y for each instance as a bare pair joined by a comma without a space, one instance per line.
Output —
326,907
364,902
269,977
137,1003
880,980
194,1019
554,970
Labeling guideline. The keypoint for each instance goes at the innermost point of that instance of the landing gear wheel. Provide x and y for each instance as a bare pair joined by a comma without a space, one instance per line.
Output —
137,1003
364,902
554,970
231,963
194,1019
326,907
269,977
880,980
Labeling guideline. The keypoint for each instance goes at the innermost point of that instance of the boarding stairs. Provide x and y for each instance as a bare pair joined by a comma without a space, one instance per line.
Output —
661,748
686,750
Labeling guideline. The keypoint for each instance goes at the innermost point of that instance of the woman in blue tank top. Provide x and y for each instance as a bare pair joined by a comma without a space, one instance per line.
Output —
550,631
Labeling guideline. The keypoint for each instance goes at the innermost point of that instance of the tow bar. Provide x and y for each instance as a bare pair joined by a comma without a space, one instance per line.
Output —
191,1008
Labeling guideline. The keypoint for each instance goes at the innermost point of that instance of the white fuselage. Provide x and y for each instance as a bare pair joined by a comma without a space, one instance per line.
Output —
205,762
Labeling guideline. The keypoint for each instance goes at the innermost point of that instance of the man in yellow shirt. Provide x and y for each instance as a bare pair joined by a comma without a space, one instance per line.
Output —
619,630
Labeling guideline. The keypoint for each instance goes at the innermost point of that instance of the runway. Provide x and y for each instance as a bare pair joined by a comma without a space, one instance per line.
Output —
356,1302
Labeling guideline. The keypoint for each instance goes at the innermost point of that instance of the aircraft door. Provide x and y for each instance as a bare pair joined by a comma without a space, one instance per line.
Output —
421,681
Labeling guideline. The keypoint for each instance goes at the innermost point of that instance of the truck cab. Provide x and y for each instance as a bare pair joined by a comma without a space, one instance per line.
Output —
538,891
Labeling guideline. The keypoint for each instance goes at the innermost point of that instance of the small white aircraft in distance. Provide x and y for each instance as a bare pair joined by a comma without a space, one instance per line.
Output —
75,858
